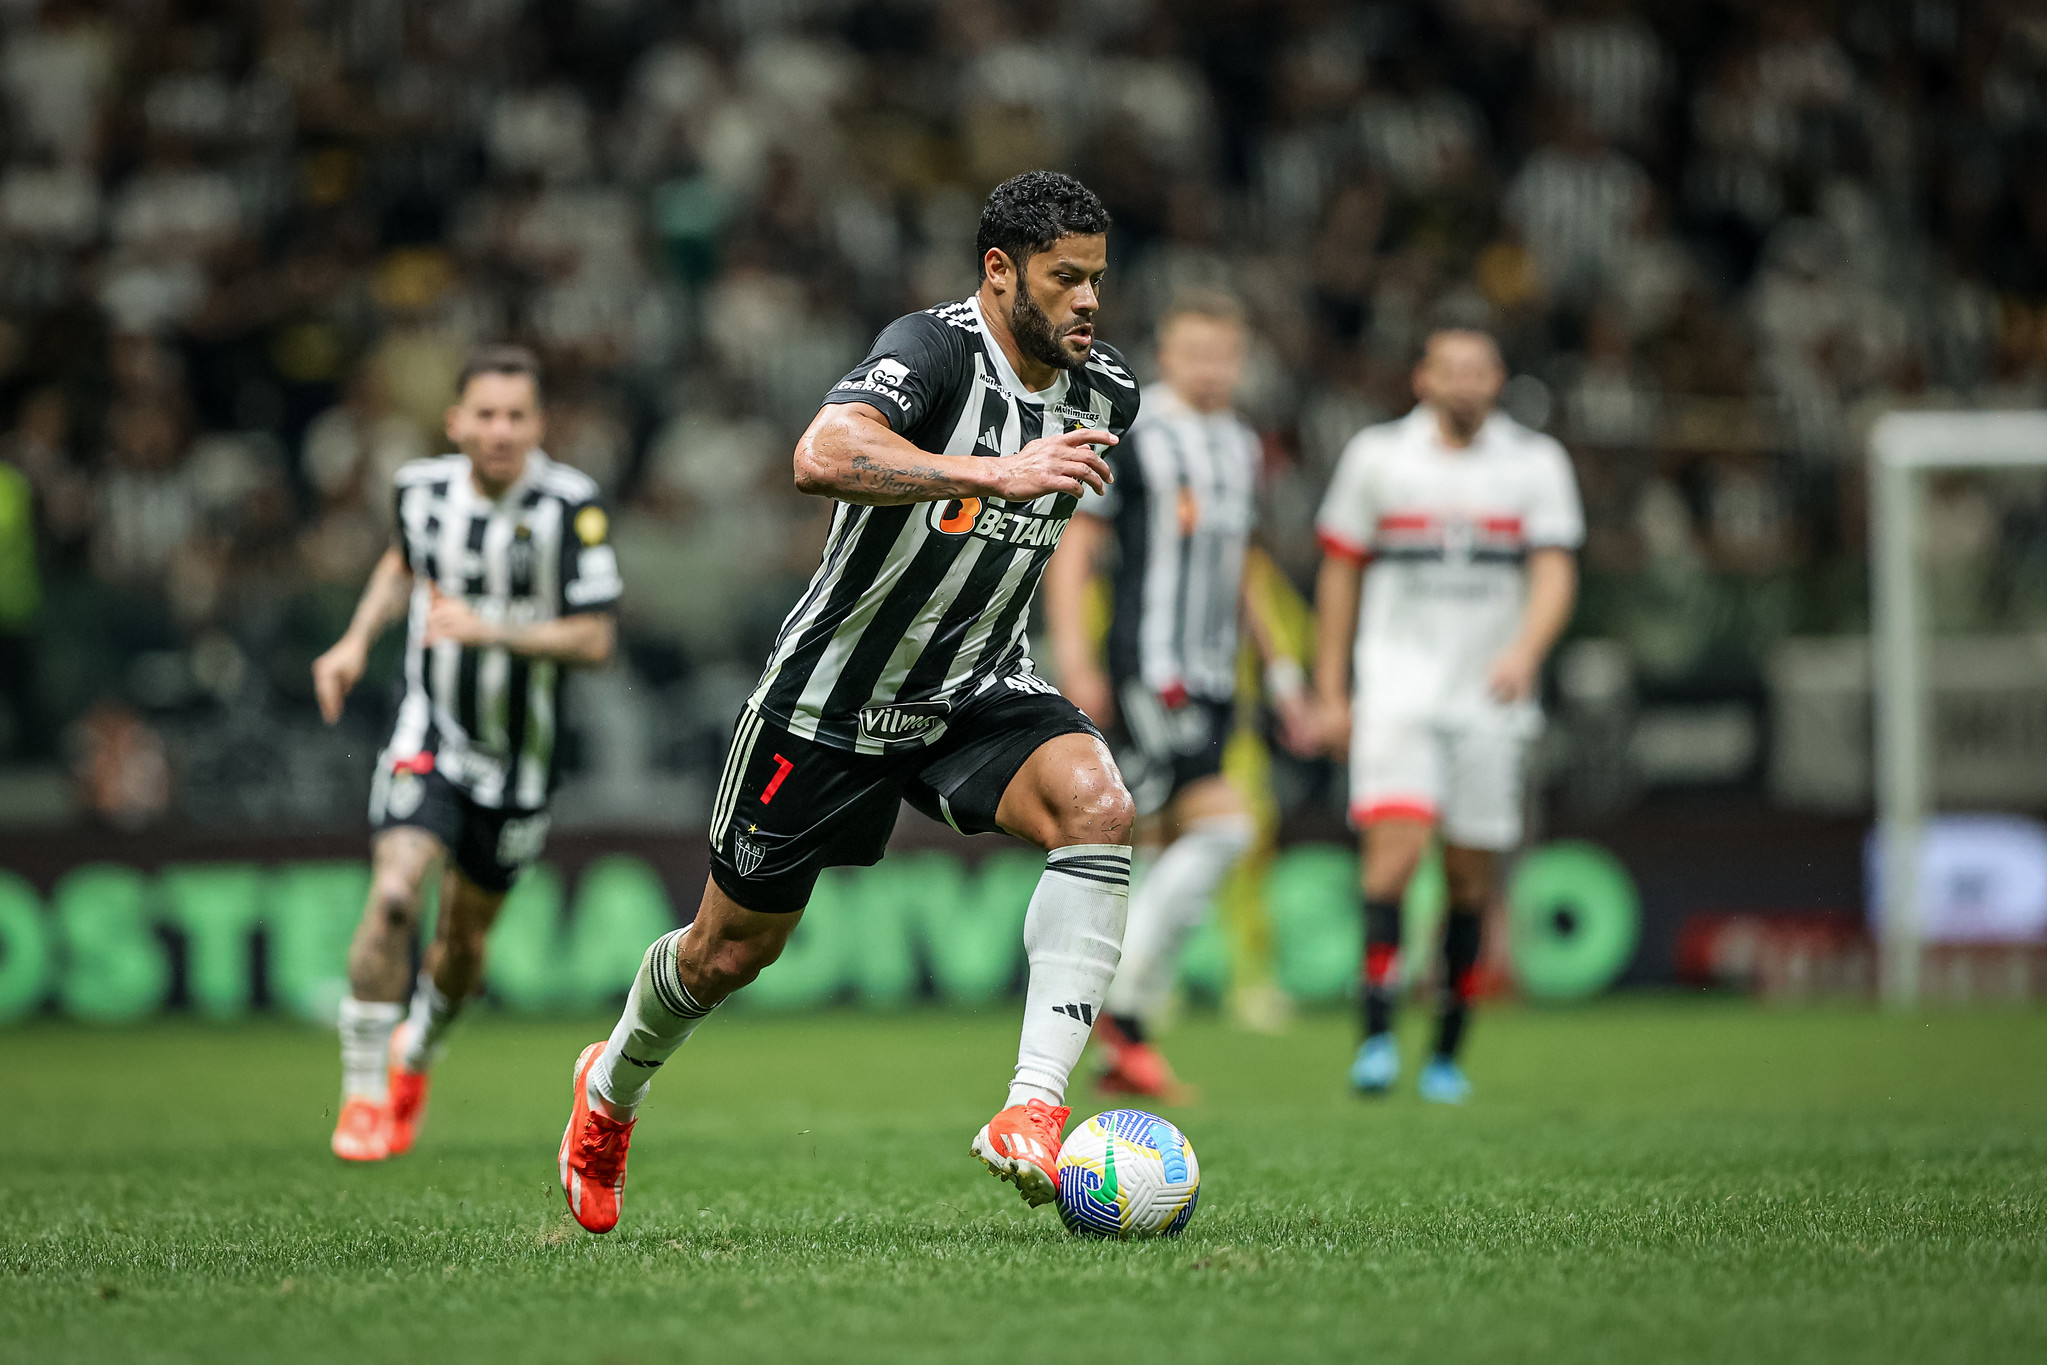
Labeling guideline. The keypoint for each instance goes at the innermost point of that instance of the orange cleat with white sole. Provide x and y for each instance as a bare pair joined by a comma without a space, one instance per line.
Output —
362,1133
593,1154
1137,1068
407,1106
1021,1145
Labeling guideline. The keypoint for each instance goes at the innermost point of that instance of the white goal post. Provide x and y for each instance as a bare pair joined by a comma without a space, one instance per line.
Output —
1903,448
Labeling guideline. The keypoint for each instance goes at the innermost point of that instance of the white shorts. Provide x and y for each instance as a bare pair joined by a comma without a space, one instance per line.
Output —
1464,777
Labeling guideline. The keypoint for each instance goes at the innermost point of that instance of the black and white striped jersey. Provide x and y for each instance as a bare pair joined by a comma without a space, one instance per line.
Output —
1181,511
485,718
914,608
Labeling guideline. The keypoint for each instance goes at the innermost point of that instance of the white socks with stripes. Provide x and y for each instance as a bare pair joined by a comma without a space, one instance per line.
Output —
1072,934
1168,906
366,1046
426,1025
660,1014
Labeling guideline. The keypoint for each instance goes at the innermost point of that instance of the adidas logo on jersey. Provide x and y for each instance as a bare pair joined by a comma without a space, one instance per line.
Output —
1084,1013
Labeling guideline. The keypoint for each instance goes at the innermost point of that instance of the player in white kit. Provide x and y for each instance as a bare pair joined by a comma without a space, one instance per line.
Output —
1449,540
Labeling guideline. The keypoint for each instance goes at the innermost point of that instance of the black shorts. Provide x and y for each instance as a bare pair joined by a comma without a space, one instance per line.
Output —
1163,749
788,808
489,847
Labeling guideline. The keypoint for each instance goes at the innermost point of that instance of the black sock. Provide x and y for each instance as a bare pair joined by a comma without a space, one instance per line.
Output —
1132,1026
1382,964
1453,993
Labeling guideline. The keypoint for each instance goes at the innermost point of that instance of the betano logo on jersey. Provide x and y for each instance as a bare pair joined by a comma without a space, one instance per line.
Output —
991,521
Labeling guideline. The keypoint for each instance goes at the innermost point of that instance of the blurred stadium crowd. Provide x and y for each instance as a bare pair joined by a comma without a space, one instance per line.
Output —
245,243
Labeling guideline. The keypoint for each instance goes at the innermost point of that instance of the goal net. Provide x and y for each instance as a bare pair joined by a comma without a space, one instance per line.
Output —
1906,451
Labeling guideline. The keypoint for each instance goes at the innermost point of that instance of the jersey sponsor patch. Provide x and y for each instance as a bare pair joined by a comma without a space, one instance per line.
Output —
957,517
1002,525
903,720
889,378
521,840
598,581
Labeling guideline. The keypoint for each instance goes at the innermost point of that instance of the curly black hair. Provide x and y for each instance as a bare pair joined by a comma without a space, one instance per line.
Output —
1028,212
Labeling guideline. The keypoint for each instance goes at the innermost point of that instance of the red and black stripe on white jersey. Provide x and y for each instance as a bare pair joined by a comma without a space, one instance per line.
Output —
1438,537
913,608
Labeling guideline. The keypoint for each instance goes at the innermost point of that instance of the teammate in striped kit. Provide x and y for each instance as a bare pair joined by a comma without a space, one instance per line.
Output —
1469,523
505,576
1172,531
956,452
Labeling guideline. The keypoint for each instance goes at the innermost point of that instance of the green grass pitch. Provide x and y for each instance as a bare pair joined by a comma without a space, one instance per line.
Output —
1636,1181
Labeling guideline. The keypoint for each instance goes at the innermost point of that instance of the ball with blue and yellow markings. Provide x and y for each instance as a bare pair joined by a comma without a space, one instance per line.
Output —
1126,1173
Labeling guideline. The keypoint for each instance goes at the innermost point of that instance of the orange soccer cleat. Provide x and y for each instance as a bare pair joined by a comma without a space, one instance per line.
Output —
362,1133
1021,1145
1137,1068
408,1100
593,1154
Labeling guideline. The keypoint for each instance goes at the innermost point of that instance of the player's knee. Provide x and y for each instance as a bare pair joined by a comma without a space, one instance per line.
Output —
1098,811
732,963
1389,870
1469,893
394,905
1468,877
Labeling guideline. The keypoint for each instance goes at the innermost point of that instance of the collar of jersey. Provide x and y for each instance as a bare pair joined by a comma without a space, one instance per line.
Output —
536,461
1015,386
1489,431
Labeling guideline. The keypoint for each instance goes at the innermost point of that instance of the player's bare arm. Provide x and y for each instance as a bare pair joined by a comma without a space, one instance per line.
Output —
851,453
1067,578
584,640
1552,591
336,672
1337,588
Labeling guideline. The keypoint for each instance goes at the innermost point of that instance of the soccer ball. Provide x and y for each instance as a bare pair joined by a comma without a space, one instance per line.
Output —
1126,1173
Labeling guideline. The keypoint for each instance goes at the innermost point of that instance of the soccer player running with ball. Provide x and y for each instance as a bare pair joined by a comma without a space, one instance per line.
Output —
956,452
1449,542
1172,531
505,576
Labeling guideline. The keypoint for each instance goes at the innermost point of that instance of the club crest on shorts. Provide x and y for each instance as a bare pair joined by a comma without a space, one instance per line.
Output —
747,852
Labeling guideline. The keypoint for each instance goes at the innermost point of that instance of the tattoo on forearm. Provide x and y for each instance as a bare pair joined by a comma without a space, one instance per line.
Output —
874,476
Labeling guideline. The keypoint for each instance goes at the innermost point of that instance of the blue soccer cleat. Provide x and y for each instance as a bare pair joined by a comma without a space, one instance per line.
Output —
1377,1066
1443,1082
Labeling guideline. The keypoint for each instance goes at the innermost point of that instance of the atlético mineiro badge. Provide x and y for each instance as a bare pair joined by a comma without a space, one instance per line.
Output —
747,854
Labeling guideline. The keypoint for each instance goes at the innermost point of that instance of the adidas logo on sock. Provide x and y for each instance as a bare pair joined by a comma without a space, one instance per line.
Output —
1084,1013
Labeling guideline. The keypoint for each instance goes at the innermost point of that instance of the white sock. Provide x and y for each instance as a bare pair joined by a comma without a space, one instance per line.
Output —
366,1046
660,1014
426,1024
1072,933
1168,906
